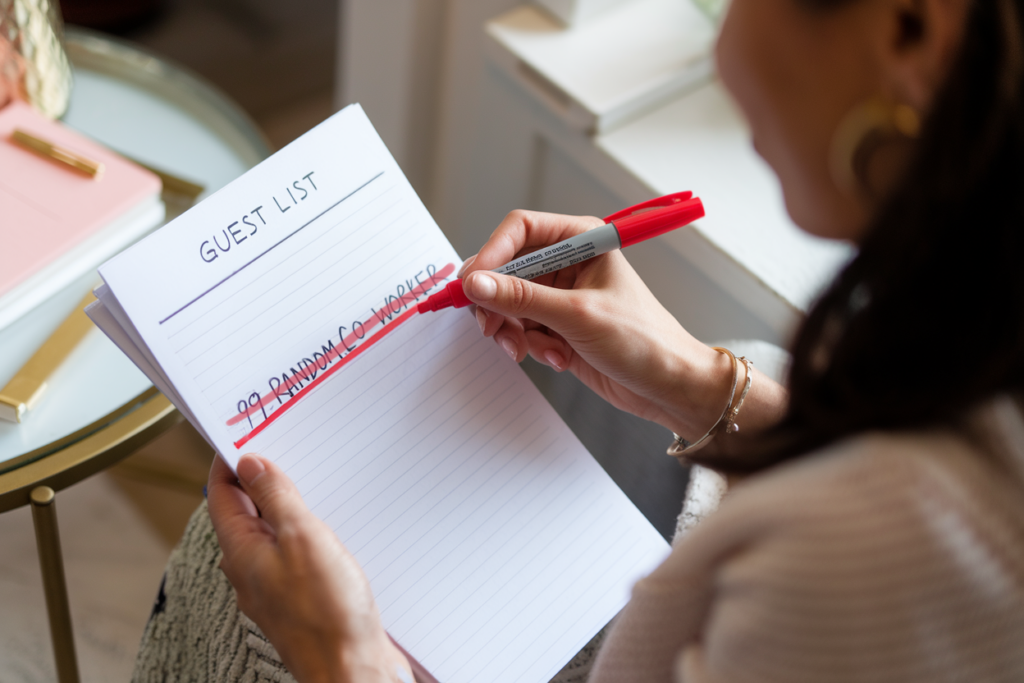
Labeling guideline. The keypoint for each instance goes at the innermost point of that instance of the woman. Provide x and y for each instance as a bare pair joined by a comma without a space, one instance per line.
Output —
880,532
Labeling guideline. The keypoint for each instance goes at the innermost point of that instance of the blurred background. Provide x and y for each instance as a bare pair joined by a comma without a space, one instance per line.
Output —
276,59
569,106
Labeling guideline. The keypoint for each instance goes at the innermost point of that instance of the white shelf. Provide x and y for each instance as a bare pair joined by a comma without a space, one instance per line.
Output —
692,140
576,12
602,74
747,241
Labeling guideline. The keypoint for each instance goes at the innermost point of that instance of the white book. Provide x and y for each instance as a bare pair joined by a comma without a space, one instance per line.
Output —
79,260
279,316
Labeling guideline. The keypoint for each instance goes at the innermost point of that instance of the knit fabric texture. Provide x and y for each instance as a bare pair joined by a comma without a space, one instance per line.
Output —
889,558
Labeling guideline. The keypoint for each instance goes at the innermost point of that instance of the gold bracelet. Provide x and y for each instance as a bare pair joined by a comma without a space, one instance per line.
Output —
681,446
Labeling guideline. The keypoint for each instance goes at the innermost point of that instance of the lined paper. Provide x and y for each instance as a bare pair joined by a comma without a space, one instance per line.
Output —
495,544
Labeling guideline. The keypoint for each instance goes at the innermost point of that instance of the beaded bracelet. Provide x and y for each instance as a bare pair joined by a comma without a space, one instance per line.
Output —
730,426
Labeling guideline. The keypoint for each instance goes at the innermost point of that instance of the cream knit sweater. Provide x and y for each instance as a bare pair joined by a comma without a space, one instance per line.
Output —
884,558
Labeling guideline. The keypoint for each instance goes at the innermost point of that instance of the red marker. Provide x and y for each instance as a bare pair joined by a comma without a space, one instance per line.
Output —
625,228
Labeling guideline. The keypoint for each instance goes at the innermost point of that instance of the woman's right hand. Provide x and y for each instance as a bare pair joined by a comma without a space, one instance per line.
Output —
598,320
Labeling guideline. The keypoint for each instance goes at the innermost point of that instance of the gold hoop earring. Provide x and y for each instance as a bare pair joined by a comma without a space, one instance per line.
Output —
867,127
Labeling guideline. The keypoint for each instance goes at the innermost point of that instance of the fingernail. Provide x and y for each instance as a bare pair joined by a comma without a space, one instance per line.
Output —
468,262
555,359
250,469
483,286
510,348
481,319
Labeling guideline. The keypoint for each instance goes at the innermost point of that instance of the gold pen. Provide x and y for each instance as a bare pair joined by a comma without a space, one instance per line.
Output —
27,387
62,155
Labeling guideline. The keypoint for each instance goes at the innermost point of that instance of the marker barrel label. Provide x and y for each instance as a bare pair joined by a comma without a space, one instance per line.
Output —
578,249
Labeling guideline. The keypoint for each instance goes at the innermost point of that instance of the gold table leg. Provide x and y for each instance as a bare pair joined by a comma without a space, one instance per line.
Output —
44,516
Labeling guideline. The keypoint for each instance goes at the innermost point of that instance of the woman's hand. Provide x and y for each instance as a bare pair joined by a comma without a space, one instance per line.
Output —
296,580
598,320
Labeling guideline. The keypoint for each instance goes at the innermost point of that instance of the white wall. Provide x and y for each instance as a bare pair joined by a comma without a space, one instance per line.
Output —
416,67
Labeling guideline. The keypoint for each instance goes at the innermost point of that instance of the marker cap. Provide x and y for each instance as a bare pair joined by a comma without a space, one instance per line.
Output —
656,217
451,296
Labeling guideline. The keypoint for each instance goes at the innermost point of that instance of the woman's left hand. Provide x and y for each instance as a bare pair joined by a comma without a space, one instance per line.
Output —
296,580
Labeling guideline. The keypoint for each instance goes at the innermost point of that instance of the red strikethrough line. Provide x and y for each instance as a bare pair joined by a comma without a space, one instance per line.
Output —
330,371
304,374
309,372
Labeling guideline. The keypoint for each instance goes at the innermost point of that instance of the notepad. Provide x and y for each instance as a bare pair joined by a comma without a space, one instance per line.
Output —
279,315
57,224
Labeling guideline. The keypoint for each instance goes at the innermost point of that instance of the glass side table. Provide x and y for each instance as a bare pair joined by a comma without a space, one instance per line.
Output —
99,407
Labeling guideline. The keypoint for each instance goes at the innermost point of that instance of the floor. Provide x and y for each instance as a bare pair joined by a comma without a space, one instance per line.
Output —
275,59
116,530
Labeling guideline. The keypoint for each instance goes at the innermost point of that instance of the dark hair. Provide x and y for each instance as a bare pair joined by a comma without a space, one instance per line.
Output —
928,320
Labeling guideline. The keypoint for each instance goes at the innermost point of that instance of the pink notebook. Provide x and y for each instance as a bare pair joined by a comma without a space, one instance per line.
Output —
46,209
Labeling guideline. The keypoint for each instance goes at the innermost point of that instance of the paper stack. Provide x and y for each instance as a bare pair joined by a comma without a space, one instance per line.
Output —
280,316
